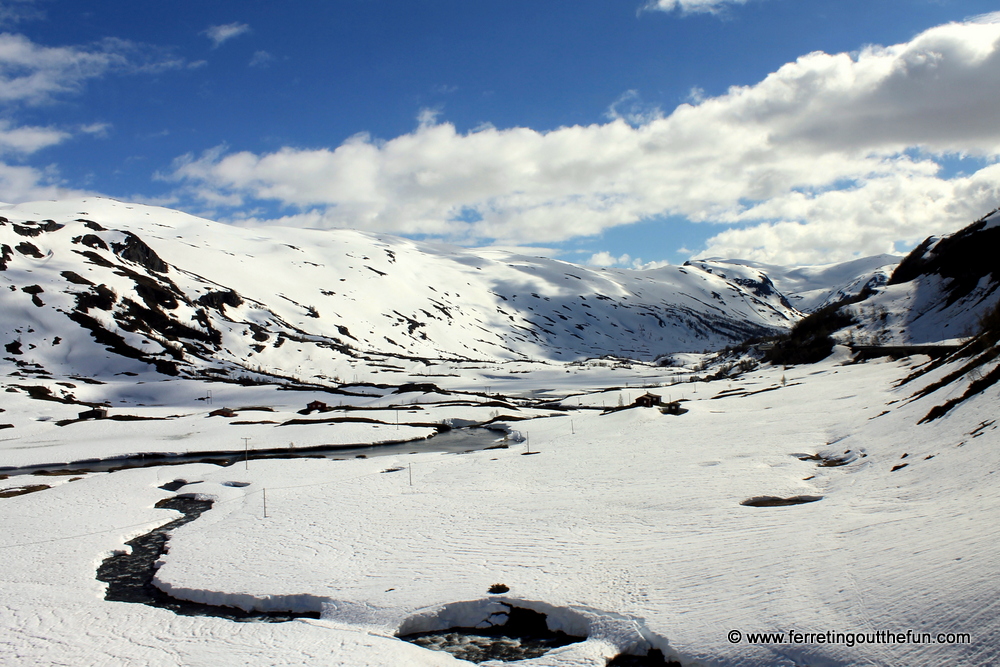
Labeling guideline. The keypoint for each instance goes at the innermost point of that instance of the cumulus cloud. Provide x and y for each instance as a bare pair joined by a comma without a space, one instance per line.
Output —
829,156
605,259
27,140
223,33
35,74
20,184
630,108
691,6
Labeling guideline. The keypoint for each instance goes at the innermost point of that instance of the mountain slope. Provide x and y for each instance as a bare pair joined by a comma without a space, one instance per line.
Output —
96,286
939,291
810,288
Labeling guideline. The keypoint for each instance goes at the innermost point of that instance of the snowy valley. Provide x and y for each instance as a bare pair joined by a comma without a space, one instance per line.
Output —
656,474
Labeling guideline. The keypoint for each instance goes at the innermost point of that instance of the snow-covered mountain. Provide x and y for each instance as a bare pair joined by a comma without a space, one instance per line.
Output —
939,292
809,288
92,283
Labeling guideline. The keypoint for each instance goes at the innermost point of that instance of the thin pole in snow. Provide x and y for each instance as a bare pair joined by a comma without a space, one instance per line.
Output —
397,420
410,466
572,428
265,503
246,448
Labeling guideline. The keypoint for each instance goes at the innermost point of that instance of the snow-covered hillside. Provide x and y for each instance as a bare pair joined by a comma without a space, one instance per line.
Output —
938,292
90,283
809,288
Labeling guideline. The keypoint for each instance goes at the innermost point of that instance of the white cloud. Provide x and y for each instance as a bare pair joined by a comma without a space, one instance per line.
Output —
261,59
96,129
35,74
630,108
20,184
222,33
991,17
27,140
691,6
605,259
828,156
15,11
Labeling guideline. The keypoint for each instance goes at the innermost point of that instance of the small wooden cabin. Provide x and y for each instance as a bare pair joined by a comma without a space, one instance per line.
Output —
648,400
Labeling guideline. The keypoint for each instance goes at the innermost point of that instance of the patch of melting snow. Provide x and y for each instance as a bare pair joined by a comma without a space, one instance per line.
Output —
513,634
507,632
508,629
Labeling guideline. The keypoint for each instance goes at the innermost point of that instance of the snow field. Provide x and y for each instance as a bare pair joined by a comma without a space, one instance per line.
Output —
637,515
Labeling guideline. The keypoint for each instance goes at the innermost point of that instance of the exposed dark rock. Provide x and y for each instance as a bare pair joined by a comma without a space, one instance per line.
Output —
14,347
155,295
775,501
92,241
95,258
92,225
75,278
135,250
259,334
6,254
101,296
22,230
34,291
137,318
219,299
29,249
964,257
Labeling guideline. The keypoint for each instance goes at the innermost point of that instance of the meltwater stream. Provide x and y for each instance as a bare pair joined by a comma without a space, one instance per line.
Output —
130,575
456,441
523,634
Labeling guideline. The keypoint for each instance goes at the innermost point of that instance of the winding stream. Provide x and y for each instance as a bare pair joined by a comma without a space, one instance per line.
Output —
130,575
524,633
456,441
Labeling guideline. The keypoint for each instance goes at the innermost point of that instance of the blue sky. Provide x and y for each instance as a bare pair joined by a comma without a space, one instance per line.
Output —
606,131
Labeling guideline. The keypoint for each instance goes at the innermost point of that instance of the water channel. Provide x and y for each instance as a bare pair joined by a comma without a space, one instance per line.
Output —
454,441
